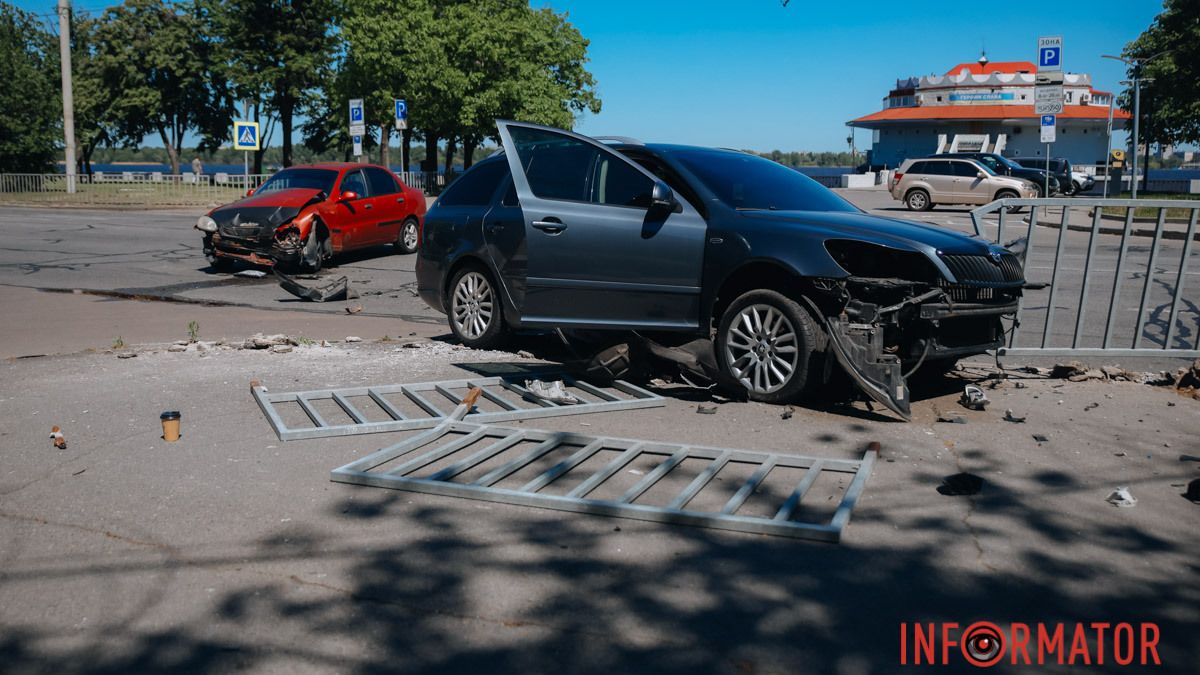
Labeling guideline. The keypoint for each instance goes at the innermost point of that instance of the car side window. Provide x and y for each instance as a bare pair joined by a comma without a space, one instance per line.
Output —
619,184
918,168
510,195
381,181
938,169
964,169
561,167
354,182
475,187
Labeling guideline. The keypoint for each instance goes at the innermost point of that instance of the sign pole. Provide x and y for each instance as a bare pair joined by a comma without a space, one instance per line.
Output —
1108,151
246,153
1047,192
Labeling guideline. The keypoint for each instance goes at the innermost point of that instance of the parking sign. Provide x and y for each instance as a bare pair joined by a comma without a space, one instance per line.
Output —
358,118
1050,53
1048,128
401,114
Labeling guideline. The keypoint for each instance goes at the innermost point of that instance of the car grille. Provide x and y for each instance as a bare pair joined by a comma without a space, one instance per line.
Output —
980,270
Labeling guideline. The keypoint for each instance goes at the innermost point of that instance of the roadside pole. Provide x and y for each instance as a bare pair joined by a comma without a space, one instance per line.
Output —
402,126
246,153
68,95
1108,152
1048,94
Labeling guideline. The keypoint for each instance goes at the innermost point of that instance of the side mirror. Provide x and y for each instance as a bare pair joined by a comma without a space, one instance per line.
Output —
250,192
662,198
348,196
980,174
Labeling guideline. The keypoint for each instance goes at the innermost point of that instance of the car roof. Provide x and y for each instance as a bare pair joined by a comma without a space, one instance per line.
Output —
336,166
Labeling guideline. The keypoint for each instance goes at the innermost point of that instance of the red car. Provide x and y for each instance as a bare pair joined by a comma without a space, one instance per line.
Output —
304,215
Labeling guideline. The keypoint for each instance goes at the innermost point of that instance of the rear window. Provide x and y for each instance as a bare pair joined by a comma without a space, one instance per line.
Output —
475,187
749,183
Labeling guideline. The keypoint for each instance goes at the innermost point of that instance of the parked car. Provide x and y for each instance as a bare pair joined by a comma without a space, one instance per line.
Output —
775,275
1081,182
304,215
923,183
1059,168
1004,166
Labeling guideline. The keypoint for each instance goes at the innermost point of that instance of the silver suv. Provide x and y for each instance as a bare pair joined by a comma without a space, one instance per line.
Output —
921,183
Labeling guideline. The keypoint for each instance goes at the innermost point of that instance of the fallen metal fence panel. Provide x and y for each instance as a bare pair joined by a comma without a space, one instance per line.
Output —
449,446
1171,343
506,394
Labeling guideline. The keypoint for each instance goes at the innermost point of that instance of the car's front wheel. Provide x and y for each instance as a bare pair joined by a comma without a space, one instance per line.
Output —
475,314
766,343
406,242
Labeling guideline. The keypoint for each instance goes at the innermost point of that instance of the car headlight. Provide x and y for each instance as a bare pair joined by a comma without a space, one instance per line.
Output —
863,259
206,224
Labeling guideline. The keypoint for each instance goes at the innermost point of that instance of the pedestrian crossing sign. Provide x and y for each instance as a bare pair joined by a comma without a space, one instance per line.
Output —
245,136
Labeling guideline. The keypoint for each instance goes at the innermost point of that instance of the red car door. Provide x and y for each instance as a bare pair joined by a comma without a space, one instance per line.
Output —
354,219
389,204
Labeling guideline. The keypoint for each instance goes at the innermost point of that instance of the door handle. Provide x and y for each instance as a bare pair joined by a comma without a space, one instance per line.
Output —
368,206
492,228
399,200
549,226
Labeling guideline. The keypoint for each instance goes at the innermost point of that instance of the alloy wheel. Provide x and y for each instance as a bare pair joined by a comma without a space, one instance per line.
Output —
472,305
761,349
408,236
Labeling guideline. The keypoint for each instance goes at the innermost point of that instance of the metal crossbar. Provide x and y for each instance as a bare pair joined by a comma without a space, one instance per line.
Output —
1165,318
449,445
428,403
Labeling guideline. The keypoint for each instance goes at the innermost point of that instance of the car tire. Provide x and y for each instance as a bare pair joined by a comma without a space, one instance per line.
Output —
474,312
312,257
766,344
918,200
407,240
1076,188
1009,194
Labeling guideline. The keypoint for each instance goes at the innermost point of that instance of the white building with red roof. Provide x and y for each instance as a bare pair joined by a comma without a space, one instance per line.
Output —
985,106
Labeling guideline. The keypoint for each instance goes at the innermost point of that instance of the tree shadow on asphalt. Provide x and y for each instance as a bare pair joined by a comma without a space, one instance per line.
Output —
718,603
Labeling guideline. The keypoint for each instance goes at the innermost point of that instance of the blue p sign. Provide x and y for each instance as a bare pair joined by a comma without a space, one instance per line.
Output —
1049,57
401,109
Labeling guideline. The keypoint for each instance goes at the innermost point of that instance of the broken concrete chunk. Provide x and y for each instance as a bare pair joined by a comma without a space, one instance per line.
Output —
1067,370
787,413
1193,491
952,419
353,338
706,409
177,348
281,349
252,274
127,355
1094,374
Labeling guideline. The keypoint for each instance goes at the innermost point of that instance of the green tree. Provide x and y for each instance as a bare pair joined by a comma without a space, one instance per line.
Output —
276,53
1170,103
161,58
30,103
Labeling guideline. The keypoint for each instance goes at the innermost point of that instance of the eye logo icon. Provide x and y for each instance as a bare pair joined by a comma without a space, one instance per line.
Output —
983,644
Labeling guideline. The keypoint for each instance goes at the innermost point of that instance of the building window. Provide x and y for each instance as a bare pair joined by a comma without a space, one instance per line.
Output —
939,99
1022,97
1016,130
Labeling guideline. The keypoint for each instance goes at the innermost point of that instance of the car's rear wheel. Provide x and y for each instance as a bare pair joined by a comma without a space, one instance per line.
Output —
406,242
475,315
765,344
918,200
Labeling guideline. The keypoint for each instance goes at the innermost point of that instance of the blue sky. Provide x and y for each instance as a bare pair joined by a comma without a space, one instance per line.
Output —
755,74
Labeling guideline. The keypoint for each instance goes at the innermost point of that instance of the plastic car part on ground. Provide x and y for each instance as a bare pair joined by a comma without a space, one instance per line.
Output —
550,391
338,289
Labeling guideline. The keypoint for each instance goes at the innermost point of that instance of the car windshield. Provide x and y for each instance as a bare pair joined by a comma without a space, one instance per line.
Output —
750,183
1006,162
306,179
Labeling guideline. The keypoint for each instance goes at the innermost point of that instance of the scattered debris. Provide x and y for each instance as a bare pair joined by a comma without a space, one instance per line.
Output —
554,391
1091,406
353,338
260,341
79,471
787,413
952,419
354,310
1121,497
252,274
1019,385
525,355
1121,454
281,349
961,485
177,348
338,289
1041,438
1064,371
57,438
706,409
1193,491
170,425
1189,458
1010,417
127,355
973,398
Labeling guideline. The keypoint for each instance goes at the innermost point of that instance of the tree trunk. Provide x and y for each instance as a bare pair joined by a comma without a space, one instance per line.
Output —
172,153
450,150
468,153
385,140
430,163
406,149
285,122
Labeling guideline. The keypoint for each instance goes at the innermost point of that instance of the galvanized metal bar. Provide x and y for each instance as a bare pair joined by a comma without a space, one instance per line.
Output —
479,457
386,405
1113,352
421,401
999,225
700,481
1150,263
735,502
447,393
1087,269
656,474
554,472
842,515
1033,219
594,391
1116,291
793,500
1179,279
532,455
311,412
592,482
400,449
349,408
1058,253
259,393
438,453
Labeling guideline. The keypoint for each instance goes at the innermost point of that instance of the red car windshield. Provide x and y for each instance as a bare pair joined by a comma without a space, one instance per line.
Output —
305,179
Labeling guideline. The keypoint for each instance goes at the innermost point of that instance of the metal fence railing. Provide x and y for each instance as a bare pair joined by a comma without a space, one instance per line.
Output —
429,182
1113,281
126,188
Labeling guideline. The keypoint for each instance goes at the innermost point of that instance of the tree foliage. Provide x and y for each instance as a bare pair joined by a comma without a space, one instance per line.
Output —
161,59
1170,103
30,104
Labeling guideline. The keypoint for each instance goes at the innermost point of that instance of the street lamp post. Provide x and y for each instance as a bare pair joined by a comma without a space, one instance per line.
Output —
1137,65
